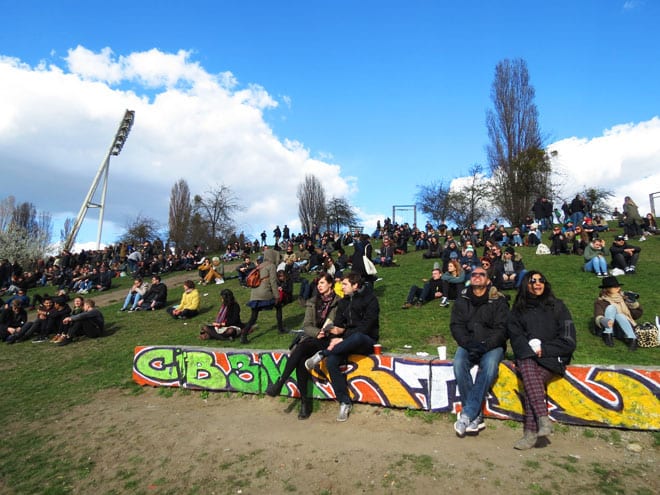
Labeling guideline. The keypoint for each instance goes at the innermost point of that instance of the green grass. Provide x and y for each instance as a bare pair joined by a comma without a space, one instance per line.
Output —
41,382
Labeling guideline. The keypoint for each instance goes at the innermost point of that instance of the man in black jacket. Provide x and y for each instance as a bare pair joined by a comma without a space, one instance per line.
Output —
90,323
478,324
624,256
355,331
431,290
155,297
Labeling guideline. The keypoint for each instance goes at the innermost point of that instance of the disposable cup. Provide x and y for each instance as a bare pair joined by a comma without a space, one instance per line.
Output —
378,349
442,352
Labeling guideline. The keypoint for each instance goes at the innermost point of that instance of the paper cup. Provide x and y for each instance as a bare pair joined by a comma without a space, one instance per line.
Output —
535,344
378,349
442,352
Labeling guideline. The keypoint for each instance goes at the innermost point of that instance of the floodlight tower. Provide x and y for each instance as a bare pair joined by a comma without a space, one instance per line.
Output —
117,144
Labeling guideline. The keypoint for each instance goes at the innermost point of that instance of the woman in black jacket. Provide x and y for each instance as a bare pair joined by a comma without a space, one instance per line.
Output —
543,340
320,313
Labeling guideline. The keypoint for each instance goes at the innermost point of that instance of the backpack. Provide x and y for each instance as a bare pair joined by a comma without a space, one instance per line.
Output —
253,280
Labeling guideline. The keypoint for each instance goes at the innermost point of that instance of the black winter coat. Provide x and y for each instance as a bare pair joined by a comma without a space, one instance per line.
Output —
553,325
359,312
480,321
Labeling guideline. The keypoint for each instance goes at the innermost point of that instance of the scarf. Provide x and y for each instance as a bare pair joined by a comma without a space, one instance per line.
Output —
222,315
619,303
323,304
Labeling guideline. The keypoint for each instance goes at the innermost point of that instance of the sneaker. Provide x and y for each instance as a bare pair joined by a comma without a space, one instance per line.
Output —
40,339
642,239
601,275
58,339
443,302
219,281
476,425
344,410
311,363
460,426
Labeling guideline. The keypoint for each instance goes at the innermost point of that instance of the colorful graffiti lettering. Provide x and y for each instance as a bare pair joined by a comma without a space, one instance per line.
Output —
587,395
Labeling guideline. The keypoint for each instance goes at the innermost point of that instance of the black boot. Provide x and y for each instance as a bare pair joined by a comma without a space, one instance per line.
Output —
607,338
274,389
632,344
244,334
305,408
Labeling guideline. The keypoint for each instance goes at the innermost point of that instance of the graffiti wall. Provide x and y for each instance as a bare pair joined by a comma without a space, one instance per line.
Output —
587,395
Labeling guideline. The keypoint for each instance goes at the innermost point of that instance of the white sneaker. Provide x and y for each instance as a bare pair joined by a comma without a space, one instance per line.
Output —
311,363
219,281
461,425
642,239
344,411
476,425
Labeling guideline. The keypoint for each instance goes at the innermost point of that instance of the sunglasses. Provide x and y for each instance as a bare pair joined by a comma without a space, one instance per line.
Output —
540,280
477,274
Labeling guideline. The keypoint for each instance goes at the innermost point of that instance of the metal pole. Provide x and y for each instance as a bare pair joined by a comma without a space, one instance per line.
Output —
102,205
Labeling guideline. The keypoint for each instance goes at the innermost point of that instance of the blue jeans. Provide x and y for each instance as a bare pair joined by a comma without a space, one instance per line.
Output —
358,343
130,297
474,392
620,320
597,264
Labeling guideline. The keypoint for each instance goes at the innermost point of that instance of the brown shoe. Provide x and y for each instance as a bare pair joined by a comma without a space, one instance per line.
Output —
406,306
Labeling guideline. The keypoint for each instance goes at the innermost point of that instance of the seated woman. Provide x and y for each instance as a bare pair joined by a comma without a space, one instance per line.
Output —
594,258
542,337
649,225
227,324
215,272
320,313
452,282
434,249
189,305
135,293
616,313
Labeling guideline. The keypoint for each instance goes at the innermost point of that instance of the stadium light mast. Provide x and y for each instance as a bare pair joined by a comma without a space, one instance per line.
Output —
102,174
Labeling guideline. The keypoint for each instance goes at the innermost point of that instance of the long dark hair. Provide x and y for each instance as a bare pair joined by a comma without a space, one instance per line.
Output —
227,297
524,296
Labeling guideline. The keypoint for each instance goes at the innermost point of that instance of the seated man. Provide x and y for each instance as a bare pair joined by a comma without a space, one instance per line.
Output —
89,323
431,290
624,256
478,324
244,270
511,268
355,331
104,279
386,254
558,242
12,319
155,298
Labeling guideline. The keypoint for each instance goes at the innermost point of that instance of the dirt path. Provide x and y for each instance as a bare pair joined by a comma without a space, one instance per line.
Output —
234,444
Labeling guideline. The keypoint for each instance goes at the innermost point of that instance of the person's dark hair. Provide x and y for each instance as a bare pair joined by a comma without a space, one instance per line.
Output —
189,283
354,278
227,297
524,296
328,278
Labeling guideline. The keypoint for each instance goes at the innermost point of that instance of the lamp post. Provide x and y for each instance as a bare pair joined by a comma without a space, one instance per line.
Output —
117,144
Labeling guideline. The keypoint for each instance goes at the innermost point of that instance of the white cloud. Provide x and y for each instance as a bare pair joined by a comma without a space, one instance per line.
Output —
624,160
59,122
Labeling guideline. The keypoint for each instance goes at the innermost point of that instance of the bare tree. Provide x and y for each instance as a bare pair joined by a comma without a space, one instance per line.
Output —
216,210
139,230
311,203
519,165
66,229
339,213
432,201
7,207
469,204
180,212
597,199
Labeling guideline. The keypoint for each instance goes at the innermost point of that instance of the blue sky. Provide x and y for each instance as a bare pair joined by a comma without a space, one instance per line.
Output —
375,98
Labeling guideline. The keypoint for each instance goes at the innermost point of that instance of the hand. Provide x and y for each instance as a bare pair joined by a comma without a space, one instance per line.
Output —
334,342
336,331
476,350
